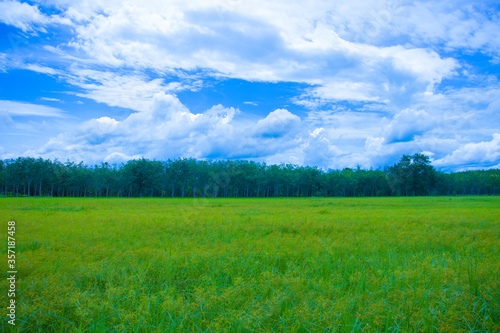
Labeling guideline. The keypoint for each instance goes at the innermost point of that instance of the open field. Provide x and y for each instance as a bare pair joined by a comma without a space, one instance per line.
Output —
424,264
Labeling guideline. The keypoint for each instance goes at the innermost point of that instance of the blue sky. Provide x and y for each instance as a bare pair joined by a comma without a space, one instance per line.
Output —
332,84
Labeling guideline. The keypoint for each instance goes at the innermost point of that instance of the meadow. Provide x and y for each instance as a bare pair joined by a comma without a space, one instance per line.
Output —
420,264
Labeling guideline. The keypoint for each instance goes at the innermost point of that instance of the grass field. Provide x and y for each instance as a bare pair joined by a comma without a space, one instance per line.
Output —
427,264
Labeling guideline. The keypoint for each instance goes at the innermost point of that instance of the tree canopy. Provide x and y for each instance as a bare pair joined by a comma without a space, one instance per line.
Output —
413,175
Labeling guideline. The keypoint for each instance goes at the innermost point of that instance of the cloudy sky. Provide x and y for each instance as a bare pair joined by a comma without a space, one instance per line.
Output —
326,83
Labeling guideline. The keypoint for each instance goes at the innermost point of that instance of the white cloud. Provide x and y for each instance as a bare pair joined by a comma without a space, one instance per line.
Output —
426,65
458,25
167,129
22,16
345,124
278,41
26,109
5,119
341,90
473,155
379,152
278,123
3,62
132,90
50,99
319,150
388,59
450,25
407,124
41,69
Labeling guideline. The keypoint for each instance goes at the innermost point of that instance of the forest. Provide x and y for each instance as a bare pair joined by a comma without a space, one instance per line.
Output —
413,175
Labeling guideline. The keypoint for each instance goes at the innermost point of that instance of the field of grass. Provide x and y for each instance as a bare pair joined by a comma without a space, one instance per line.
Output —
427,264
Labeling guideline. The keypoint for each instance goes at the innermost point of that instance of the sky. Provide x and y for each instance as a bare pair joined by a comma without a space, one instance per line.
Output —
332,84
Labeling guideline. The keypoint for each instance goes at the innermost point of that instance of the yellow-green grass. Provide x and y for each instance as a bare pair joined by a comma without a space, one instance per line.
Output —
427,264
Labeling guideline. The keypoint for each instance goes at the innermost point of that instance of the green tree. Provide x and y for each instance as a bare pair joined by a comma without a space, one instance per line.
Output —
413,175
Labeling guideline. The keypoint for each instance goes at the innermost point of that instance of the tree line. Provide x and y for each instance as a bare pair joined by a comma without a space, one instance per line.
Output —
413,175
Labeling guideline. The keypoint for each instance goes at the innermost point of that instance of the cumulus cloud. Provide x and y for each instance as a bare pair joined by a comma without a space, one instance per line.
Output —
376,76
279,41
167,129
407,124
485,154
319,150
278,123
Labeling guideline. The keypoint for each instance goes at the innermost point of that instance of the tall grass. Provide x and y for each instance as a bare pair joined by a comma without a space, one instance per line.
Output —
246,265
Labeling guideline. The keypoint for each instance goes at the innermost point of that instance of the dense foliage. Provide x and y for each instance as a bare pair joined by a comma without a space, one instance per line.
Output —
413,175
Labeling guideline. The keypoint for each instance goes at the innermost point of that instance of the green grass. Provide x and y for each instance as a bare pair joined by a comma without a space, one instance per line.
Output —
428,264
